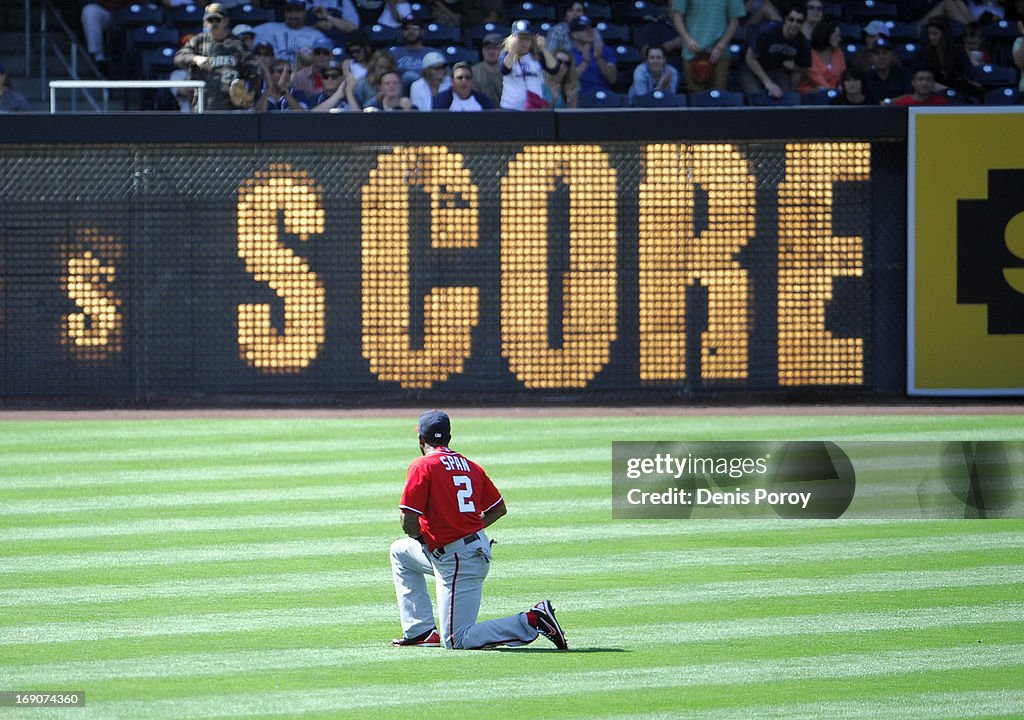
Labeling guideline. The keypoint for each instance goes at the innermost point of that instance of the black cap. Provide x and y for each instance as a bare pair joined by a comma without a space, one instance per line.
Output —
435,425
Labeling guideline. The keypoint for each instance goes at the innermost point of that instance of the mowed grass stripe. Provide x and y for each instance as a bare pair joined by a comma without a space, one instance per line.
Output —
643,594
62,562
588,683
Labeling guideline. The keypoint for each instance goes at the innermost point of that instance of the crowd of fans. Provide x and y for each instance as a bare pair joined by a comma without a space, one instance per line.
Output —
469,55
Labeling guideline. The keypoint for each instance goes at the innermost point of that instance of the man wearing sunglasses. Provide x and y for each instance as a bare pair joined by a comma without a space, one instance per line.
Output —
461,97
220,59
309,80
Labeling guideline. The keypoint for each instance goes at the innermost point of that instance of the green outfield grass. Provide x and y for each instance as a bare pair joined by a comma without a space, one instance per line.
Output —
238,568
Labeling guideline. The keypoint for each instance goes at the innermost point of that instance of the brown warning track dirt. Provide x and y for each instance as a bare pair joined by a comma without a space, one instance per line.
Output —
522,412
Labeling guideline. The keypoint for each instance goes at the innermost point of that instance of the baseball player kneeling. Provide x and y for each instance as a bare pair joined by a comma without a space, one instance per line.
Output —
447,502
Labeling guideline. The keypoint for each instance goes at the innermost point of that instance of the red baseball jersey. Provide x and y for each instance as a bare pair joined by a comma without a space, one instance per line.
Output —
449,493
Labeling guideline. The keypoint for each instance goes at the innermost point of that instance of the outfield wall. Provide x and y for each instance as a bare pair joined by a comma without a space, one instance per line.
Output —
580,256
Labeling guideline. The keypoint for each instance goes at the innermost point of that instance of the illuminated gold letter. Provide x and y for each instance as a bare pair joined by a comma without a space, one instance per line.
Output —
293,194
450,313
810,257
95,333
673,258
590,285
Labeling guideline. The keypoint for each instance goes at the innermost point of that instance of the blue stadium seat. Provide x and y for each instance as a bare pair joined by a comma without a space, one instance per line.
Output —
851,32
627,56
533,11
151,36
434,35
139,14
819,97
249,14
158,62
997,75
457,53
602,99
659,98
381,36
1003,96
717,98
613,34
421,12
903,32
187,18
762,99
867,10
475,35
597,11
640,12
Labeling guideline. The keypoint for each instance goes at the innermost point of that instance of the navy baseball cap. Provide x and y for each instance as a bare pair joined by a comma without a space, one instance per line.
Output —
520,27
581,22
435,425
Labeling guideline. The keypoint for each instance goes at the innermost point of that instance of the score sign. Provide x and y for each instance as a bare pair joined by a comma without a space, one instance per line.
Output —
696,212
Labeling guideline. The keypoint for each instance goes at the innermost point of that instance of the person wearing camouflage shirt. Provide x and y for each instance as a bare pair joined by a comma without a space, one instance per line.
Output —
220,59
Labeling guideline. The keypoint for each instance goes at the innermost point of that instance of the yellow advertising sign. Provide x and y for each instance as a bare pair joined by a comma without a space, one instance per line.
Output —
966,252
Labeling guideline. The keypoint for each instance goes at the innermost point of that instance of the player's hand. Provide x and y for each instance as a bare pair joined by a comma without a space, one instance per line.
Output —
774,90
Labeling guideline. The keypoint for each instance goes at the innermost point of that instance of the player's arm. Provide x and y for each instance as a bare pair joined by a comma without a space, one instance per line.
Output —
489,517
411,524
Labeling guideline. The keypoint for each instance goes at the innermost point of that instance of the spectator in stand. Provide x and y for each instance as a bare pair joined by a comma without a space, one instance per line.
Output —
654,73
10,101
246,34
853,90
966,11
277,94
220,59
778,58
461,97
760,12
357,48
447,12
309,80
1018,53
394,12
487,78
950,66
291,36
97,17
525,58
827,61
409,56
562,90
336,94
887,77
434,80
595,61
924,91
368,88
390,97
872,32
815,14
369,11
974,45
706,28
558,37
335,18
264,55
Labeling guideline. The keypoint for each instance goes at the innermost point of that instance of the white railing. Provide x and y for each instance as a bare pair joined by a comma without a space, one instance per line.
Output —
106,85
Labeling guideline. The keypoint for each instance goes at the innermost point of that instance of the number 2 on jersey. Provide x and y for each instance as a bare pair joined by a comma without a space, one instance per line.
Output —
465,494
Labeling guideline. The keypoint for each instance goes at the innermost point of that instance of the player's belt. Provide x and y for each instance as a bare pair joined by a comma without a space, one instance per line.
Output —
452,545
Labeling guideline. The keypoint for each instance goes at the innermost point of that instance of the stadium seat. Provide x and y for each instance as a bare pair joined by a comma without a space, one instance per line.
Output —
187,18
851,32
158,62
597,11
1002,96
613,34
475,35
533,11
627,57
457,53
997,75
640,12
868,10
249,14
602,99
434,35
717,98
150,36
658,99
833,10
139,14
381,36
905,51
903,32
819,97
762,99
421,12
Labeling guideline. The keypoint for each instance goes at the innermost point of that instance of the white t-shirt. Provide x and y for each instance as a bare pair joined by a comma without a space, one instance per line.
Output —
470,104
527,74
421,96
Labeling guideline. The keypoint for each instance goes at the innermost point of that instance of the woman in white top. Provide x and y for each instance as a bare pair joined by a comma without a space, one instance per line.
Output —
522,63
433,80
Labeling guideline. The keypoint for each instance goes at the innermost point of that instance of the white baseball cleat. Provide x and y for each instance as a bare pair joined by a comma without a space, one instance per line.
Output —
547,624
